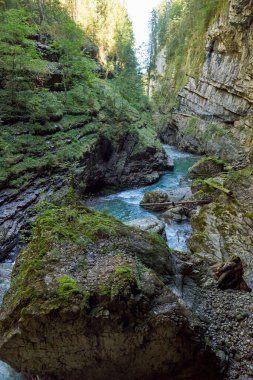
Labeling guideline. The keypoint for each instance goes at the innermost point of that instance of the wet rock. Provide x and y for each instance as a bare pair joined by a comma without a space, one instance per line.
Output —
181,194
92,300
176,214
149,224
122,161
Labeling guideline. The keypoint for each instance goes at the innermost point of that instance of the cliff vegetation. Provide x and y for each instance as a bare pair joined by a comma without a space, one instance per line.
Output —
178,37
62,82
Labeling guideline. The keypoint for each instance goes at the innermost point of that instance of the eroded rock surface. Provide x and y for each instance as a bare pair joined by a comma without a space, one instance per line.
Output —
215,114
225,227
176,214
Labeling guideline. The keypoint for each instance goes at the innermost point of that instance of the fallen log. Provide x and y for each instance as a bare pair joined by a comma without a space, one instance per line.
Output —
169,205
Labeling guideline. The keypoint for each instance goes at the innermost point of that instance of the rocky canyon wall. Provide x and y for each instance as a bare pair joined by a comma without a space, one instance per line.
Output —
215,111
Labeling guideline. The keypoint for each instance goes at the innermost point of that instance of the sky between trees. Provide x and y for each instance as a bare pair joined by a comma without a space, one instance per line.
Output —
139,12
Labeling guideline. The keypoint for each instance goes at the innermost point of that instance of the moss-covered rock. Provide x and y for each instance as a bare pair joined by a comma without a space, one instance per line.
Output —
155,196
89,298
206,167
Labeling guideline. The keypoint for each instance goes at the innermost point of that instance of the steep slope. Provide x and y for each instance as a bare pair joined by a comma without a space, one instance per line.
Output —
64,111
214,112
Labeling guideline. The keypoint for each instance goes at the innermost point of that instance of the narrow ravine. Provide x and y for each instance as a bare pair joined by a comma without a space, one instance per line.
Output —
125,205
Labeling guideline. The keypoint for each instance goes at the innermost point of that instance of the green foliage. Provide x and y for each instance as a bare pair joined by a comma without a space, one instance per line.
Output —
52,102
43,106
193,122
18,56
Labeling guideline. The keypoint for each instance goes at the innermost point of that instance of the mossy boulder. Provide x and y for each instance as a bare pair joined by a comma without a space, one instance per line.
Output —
89,298
206,167
155,196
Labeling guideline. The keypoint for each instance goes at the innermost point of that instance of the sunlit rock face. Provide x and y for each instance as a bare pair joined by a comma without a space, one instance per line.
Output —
215,112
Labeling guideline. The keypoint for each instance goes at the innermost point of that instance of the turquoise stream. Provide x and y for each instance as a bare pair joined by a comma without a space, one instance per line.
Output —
125,206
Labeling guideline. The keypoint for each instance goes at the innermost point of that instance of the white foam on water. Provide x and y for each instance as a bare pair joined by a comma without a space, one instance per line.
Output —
177,235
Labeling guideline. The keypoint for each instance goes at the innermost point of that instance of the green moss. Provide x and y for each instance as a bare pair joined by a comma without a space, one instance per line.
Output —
216,160
67,287
121,270
62,235
118,282
55,227
249,215
156,239
238,175
205,159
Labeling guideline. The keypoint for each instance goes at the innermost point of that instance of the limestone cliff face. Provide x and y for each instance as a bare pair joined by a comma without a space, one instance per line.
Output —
215,113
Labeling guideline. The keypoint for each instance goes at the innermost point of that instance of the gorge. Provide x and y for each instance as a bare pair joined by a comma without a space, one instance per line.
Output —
94,292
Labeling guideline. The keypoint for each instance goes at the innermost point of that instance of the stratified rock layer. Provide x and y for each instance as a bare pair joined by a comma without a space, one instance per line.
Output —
215,113
90,299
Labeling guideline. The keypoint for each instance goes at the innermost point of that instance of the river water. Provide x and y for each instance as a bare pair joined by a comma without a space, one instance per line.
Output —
124,205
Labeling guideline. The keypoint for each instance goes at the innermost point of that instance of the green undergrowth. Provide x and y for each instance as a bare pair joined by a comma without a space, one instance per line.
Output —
55,100
235,176
31,148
